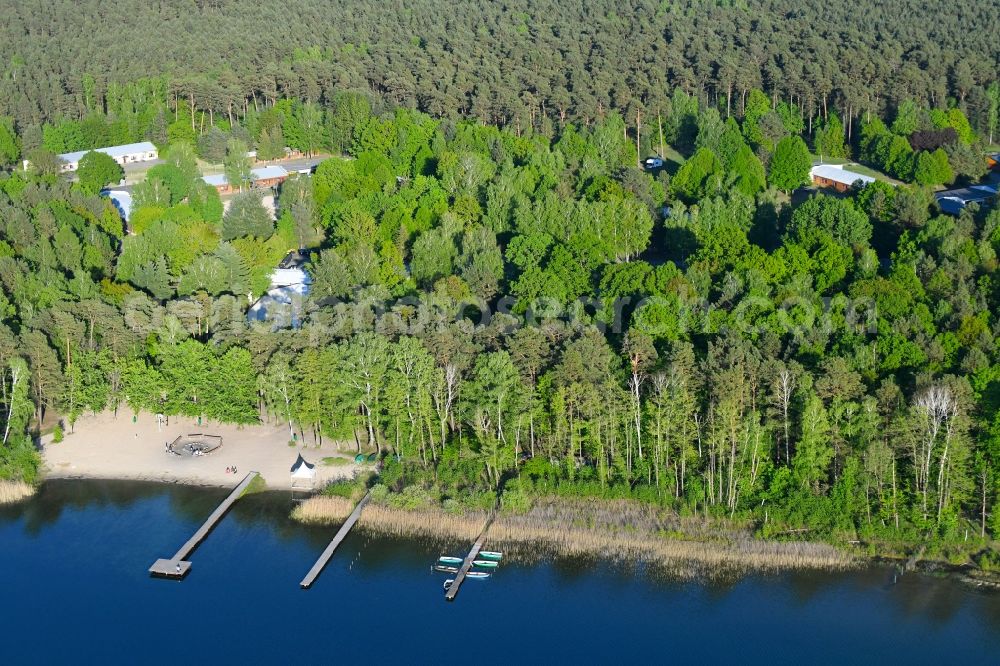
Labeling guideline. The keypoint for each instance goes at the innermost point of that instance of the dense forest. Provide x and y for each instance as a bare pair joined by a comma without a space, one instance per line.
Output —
517,63
486,304
501,300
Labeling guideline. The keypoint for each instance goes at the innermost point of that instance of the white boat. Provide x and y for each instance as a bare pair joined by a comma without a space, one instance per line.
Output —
477,574
448,583
444,559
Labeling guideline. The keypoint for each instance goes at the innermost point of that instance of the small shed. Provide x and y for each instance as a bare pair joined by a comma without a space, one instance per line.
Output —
303,473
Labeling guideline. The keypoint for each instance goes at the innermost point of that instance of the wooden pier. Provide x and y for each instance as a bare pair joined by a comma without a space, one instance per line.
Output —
328,553
452,591
178,565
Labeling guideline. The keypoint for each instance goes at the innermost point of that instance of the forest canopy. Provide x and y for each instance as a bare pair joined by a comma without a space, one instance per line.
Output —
515,63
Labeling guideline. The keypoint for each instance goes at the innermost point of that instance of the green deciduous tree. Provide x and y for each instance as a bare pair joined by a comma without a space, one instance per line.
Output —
238,165
790,164
932,168
829,139
813,451
700,176
97,170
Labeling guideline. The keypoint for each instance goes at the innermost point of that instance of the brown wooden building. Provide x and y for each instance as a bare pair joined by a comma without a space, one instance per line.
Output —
836,177
261,177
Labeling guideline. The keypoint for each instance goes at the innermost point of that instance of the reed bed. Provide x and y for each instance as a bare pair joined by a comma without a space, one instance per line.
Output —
323,510
625,531
15,491
388,521
633,532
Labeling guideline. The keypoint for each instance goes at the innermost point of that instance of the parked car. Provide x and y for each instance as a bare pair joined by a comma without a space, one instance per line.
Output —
653,163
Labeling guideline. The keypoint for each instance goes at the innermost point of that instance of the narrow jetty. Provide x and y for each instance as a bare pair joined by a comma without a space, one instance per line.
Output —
328,553
178,565
452,591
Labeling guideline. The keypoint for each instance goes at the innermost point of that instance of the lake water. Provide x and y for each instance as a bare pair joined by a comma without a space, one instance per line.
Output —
73,564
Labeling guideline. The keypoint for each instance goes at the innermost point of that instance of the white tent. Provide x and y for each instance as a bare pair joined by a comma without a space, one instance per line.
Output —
303,473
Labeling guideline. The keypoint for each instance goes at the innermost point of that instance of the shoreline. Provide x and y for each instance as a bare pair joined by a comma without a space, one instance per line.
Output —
167,480
618,531
108,447
12,492
714,555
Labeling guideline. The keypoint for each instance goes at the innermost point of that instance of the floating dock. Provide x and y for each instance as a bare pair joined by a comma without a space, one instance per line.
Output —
452,591
178,566
328,553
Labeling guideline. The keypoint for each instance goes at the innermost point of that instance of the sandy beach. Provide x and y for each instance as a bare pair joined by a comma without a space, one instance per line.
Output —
105,447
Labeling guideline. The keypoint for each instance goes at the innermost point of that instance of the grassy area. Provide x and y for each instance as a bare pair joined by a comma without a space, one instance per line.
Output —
336,461
258,485
828,160
868,171
856,167
672,155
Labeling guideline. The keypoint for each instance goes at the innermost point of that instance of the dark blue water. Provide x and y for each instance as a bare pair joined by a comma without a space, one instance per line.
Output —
73,567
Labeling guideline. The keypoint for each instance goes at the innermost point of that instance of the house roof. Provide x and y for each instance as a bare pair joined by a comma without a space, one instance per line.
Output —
261,173
951,205
113,151
972,194
839,174
264,173
215,179
286,277
953,201
122,201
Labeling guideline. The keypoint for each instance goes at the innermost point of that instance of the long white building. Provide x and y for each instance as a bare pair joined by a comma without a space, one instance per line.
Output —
144,151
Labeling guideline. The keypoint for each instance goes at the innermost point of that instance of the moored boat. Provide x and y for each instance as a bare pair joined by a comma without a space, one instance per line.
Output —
477,574
445,559
490,555
486,564
448,583
442,568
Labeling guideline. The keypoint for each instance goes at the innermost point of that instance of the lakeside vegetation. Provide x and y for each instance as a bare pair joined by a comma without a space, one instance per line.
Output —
625,530
15,491
508,308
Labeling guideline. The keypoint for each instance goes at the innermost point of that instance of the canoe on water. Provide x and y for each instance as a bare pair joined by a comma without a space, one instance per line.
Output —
477,574
490,555
486,564
441,568
444,559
